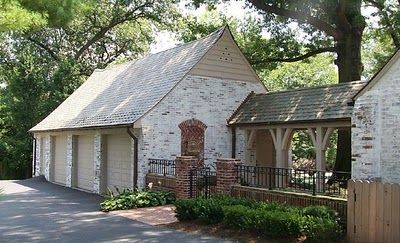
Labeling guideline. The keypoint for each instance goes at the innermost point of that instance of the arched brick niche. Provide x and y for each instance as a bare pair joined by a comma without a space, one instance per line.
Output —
192,138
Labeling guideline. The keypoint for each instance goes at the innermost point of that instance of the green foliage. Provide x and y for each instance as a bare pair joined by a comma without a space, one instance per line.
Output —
313,72
29,14
207,210
320,212
42,65
137,199
269,219
270,223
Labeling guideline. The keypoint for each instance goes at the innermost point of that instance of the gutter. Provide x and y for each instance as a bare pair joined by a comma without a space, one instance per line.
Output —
135,157
34,155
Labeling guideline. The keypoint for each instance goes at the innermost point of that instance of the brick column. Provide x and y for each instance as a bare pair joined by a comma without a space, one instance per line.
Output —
226,175
183,165
97,163
70,160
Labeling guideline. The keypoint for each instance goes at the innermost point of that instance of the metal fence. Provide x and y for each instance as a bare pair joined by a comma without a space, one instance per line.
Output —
162,167
203,182
309,181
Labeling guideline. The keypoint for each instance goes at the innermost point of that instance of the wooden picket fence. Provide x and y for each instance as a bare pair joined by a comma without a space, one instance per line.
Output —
373,212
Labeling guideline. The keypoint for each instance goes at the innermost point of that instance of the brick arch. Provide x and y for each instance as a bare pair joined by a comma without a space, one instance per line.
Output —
192,138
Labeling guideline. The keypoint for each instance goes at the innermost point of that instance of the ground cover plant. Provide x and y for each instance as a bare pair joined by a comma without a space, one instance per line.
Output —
270,220
136,199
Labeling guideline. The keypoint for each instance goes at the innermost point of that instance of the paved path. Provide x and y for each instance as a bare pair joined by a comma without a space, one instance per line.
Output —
154,215
34,210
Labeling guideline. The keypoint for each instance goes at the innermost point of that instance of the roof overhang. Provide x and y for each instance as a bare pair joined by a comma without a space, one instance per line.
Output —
340,122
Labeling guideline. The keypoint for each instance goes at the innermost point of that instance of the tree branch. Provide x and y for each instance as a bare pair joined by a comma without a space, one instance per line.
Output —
128,16
295,59
301,17
44,47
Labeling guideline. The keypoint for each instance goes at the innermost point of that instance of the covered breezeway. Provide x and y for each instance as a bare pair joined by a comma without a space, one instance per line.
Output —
264,124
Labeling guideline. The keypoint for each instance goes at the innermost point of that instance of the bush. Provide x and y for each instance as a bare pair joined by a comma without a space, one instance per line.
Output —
269,223
137,199
320,212
210,210
269,219
321,229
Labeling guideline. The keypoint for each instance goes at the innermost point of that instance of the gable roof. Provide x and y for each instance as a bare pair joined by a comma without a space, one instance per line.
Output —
122,94
379,74
296,106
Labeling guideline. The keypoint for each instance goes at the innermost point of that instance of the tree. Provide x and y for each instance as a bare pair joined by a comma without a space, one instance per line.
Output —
325,26
40,67
26,14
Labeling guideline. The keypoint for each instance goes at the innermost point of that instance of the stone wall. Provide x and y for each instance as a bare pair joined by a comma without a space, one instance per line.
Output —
209,100
375,130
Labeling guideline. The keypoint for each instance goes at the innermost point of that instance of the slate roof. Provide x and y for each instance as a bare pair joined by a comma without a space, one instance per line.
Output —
300,105
122,94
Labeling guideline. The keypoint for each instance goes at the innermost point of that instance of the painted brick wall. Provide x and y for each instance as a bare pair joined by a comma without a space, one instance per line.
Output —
209,100
376,130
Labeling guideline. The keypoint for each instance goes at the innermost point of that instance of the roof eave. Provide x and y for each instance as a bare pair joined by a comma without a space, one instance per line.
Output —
267,123
83,128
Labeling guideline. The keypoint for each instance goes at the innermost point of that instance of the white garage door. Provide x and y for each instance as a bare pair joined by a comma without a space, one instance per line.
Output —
84,163
60,159
119,163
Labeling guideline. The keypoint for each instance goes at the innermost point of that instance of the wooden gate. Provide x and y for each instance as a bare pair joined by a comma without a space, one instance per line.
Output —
373,212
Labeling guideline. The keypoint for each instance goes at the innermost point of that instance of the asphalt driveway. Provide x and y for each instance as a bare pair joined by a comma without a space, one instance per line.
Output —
34,210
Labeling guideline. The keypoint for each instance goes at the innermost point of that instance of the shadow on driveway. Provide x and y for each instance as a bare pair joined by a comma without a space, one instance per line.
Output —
35,210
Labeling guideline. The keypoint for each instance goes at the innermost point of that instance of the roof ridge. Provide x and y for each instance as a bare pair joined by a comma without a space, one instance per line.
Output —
315,87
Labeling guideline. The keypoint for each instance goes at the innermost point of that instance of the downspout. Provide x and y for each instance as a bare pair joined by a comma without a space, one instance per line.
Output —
135,157
233,142
34,155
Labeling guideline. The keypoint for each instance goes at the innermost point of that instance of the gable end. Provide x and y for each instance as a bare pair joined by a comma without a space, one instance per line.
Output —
225,60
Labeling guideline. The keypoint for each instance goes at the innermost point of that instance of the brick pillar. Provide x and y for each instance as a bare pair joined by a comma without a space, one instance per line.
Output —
183,165
227,175
70,160
97,163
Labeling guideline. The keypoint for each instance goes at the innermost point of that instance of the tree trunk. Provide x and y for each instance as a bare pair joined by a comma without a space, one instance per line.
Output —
349,67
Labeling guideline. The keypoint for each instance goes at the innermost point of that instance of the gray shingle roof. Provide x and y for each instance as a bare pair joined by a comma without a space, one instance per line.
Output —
301,105
122,94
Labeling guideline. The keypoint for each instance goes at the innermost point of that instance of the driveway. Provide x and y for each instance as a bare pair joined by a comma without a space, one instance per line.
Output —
34,210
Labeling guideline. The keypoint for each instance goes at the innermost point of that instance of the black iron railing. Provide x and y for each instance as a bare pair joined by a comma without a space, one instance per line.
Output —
203,182
310,181
163,167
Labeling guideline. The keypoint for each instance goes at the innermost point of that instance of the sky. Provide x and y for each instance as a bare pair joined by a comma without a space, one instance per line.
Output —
165,40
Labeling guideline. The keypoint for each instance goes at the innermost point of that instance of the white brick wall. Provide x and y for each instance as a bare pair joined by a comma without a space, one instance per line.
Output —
209,100
376,130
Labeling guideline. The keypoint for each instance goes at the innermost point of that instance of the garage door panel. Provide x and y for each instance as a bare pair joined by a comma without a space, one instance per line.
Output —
119,163
60,159
85,158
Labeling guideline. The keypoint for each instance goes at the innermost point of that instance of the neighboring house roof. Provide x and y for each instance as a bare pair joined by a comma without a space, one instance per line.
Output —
300,105
122,94
379,74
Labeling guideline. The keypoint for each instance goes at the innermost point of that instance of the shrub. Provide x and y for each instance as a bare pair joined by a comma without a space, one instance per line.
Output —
269,219
269,223
137,199
320,229
320,212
